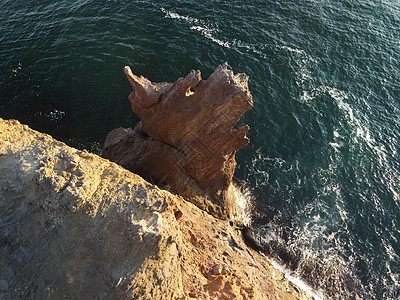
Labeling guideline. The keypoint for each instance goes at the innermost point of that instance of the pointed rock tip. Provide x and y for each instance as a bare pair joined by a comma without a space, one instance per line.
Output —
128,71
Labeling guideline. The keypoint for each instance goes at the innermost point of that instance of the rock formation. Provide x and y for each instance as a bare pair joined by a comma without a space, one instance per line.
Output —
186,138
76,226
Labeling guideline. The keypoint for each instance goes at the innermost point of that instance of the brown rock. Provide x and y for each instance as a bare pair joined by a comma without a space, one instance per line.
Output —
76,226
186,138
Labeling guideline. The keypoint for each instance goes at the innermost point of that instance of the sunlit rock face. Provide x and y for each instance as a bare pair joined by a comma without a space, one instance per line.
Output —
186,138
77,226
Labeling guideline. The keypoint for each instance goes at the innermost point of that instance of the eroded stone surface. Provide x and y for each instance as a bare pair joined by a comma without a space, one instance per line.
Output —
76,226
186,137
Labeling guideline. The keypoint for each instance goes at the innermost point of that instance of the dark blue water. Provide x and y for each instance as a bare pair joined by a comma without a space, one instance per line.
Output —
323,166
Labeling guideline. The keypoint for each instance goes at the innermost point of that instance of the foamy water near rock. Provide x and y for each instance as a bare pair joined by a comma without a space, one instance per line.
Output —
77,226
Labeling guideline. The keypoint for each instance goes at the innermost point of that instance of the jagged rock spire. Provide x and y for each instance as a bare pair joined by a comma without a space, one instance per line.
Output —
186,138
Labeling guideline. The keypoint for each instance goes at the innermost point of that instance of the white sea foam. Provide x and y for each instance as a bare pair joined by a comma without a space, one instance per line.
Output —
360,131
304,62
336,134
56,114
307,96
14,71
289,275
336,146
210,32
174,15
244,200
198,25
248,47
207,32
293,50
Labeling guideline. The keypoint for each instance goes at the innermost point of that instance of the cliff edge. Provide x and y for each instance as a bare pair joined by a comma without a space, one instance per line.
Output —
78,226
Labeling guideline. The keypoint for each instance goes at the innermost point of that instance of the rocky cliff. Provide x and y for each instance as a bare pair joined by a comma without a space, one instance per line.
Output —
77,226
186,138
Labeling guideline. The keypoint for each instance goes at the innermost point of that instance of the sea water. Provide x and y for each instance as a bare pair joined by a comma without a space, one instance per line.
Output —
322,171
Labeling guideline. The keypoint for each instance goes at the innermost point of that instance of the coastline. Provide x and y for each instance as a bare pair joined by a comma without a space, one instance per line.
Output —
86,226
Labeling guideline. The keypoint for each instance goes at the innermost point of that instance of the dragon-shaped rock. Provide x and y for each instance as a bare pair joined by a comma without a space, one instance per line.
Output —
186,138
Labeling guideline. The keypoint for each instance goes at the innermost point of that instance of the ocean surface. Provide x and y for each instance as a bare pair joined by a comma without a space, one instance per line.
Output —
322,171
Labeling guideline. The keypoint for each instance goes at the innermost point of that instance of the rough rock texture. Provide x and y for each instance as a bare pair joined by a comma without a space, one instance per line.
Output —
76,226
186,138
